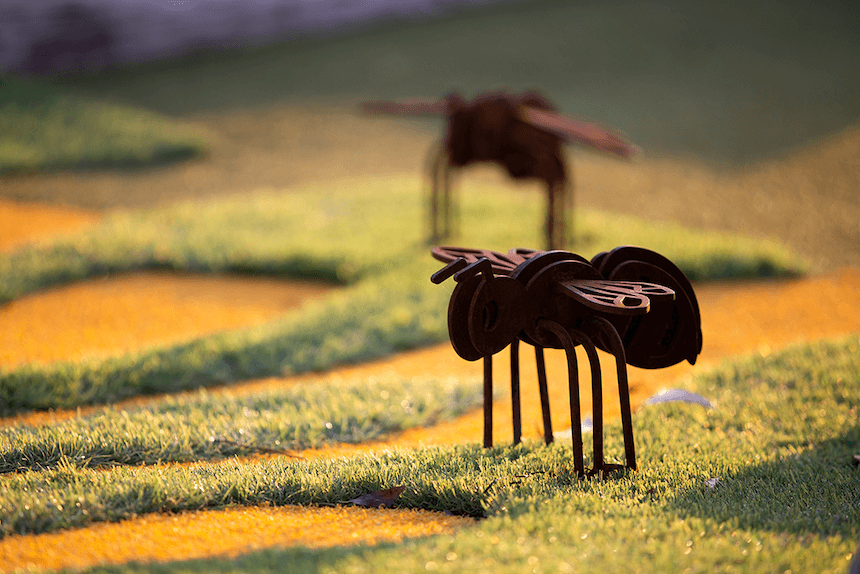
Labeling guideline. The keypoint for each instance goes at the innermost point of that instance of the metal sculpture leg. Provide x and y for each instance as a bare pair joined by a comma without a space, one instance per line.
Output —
488,401
544,395
557,198
452,205
568,213
449,210
596,397
623,388
516,415
433,198
551,208
439,204
560,217
560,239
573,388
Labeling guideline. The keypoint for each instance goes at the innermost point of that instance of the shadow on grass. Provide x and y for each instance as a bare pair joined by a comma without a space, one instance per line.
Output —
270,561
162,157
816,491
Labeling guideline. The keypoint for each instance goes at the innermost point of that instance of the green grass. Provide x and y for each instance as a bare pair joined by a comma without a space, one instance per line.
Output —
362,233
731,82
210,426
45,128
780,441
785,428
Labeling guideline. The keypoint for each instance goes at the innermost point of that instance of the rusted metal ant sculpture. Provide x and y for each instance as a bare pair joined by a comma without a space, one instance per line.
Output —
524,134
630,302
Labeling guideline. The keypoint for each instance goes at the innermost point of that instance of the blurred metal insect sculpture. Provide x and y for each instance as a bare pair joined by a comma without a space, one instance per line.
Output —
523,133
630,302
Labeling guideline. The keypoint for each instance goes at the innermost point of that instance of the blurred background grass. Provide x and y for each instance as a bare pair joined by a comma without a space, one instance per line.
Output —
748,112
731,82
43,128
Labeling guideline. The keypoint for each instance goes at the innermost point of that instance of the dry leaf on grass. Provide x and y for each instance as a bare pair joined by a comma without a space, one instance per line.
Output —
379,498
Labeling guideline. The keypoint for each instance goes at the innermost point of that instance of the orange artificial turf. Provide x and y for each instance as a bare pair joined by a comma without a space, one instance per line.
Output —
125,313
23,222
219,533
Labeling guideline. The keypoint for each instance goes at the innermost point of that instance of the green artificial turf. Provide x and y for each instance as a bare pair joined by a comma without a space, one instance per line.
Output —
731,83
211,426
763,482
362,233
44,128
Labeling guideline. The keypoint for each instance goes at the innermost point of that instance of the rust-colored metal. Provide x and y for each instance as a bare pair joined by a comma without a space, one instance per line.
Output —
630,302
522,133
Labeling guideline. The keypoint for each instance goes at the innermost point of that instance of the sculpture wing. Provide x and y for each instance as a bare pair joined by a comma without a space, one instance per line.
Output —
616,297
406,107
572,130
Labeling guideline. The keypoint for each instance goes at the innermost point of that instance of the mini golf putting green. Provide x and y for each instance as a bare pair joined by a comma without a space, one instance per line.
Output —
155,308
